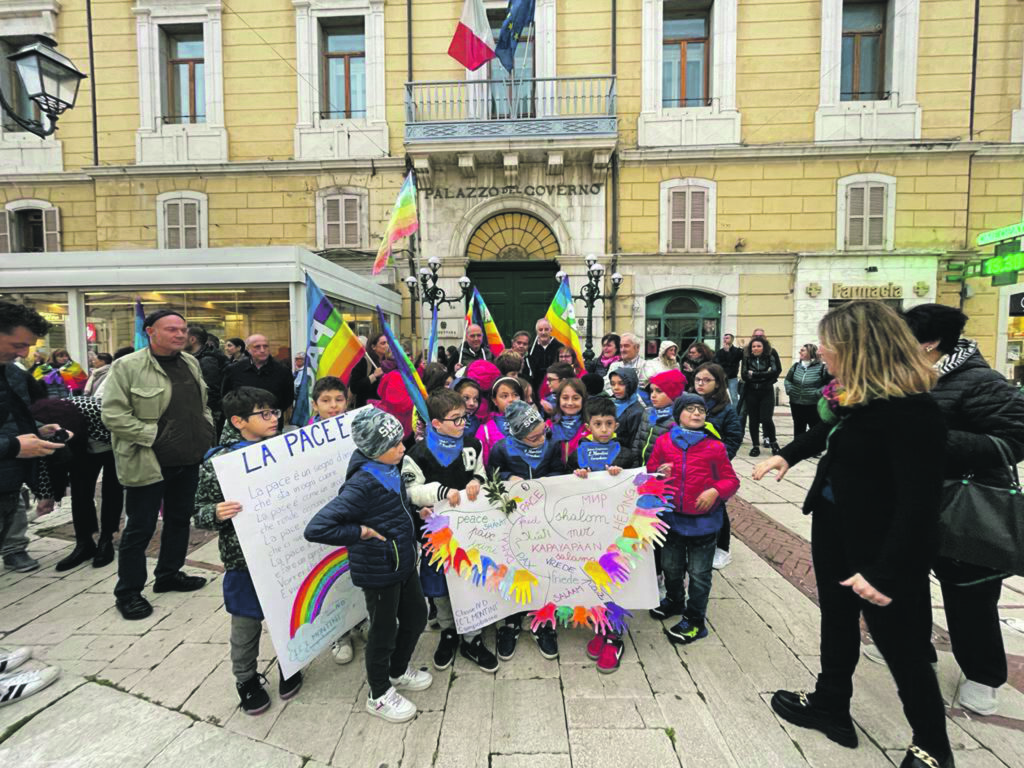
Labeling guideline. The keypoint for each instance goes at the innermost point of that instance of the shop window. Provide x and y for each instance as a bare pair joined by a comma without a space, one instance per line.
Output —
342,218
185,86
29,226
866,212
687,215
863,55
181,220
343,42
685,55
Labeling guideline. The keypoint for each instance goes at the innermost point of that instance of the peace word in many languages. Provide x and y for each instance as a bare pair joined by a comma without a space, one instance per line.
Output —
540,190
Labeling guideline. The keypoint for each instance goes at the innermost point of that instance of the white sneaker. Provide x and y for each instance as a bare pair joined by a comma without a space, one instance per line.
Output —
871,653
413,680
392,706
342,650
980,699
20,685
11,659
722,558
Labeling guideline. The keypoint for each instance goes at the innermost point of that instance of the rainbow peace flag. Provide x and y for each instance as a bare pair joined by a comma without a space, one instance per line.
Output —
403,222
562,317
479,314
411,379
332,349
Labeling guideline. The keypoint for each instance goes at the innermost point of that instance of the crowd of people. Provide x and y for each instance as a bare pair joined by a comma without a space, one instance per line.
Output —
894,404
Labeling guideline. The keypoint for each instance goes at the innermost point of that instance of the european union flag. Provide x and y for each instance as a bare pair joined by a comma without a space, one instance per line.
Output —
520,15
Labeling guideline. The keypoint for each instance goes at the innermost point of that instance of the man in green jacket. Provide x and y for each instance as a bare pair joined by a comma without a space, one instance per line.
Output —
154,405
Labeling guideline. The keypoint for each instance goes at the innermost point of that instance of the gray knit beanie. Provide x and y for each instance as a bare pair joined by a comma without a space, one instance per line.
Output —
521,418
685,399
376,432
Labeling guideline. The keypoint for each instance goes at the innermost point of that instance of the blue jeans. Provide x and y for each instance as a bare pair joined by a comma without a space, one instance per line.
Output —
734,396
691,555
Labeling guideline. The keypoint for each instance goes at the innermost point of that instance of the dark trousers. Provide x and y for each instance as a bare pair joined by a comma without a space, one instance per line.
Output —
84,472
725,532
692,556
901,630
760,407
177,491
8,512
398,616
805,417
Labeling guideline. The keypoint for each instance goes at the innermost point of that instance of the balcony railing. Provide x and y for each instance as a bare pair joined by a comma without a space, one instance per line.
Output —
454,110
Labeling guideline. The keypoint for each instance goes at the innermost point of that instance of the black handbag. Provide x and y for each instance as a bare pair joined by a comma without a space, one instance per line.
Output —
984,524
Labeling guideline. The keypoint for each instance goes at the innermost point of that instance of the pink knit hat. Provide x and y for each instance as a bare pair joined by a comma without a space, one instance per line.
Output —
672,383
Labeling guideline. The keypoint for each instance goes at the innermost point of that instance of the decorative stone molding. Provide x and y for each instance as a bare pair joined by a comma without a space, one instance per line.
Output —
467,164
556,163
511,163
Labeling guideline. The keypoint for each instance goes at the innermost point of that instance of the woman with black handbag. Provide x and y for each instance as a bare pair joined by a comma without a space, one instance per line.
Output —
874,532
978,404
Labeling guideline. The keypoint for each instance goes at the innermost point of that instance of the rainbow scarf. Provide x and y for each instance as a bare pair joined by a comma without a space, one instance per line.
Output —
404,222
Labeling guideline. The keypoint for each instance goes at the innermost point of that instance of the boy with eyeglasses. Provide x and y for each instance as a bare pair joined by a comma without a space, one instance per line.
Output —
701,479
443,467
252,413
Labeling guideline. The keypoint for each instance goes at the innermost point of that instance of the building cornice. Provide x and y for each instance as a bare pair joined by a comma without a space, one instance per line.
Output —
813,151
220,169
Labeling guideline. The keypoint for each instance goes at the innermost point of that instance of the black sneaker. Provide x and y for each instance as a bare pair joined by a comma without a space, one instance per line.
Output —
255,700
179,582
547,642
797,708
918,758
508,636
765,442
686,632
477,652
666,609
755,451
445,653
287,689
775,448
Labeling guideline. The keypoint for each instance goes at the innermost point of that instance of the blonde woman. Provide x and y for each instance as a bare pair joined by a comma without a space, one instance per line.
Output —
874,534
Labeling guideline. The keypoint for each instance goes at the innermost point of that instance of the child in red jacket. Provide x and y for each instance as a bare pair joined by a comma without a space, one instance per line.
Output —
694,459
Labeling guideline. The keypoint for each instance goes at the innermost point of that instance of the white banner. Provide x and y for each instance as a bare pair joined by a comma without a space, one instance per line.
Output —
560,523
305,589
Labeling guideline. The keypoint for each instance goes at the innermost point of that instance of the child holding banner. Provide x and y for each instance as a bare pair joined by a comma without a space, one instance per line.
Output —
373,517
495,429
701,479
567,422
529,452
443,467
251,411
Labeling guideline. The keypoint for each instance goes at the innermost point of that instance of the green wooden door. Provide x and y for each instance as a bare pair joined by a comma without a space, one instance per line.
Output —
683,317
517,294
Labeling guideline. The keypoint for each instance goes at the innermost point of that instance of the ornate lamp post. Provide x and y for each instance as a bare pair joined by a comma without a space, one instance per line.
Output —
49,79
590,294
430,293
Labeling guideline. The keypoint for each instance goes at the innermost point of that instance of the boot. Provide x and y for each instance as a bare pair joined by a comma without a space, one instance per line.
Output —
104,552
84,550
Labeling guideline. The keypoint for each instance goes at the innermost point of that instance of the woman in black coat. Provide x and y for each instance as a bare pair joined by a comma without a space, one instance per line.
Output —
759,372
874,534
976,402
367,373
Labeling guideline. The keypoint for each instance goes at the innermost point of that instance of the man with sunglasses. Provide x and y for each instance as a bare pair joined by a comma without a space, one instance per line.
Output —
154,405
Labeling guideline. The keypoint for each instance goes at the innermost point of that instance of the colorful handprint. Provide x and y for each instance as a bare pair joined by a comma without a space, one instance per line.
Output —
522,586
617,616
615,566
598,619
599,576
546,615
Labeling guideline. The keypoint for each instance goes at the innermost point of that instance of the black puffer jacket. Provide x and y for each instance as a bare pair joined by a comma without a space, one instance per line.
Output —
977,401
363,500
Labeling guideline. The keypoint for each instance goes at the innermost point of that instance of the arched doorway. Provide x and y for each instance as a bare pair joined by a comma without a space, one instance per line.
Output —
512,261
683,317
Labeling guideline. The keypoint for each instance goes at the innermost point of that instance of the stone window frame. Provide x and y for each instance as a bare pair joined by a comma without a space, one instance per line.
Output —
312,132
160,143
899,116
665,212
25,204
842,185
362,195
717,124
161,216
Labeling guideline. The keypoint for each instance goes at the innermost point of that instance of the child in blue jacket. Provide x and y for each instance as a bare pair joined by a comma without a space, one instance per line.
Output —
373,517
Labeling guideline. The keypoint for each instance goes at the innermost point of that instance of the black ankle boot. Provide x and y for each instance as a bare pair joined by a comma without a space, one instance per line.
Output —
83,551
104,552
799,709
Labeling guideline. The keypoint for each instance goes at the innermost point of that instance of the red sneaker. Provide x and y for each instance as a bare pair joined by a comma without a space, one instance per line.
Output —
610,656
595,646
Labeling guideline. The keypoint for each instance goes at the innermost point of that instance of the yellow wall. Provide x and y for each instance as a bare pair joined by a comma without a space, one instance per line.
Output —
77,209
999,68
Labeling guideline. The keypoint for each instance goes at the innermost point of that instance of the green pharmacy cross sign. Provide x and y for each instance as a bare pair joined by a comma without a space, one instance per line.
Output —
1008,259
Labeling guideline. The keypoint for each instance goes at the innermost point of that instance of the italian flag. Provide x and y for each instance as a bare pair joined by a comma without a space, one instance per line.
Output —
473,44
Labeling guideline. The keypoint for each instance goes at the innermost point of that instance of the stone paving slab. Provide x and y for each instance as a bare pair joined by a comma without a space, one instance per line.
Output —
528,717
206,746
593,748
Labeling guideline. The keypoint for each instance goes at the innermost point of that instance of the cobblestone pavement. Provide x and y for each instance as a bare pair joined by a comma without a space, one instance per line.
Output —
159,692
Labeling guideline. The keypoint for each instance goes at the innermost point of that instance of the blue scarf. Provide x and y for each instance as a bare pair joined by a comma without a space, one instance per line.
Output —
686,438
387,474
657,414
445,449
565,427
621,405
597,456
501,423
472,423
533,456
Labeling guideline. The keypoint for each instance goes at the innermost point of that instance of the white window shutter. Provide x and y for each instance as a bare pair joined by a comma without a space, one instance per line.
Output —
172,224
855,218
332,222
5,232
350,214
698,219
677,220
51,230
190,223
876,216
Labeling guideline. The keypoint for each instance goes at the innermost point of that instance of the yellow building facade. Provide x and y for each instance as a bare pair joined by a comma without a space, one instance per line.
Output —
741,163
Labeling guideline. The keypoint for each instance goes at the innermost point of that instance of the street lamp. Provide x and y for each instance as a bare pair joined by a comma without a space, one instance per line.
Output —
49,79
430,292
590,294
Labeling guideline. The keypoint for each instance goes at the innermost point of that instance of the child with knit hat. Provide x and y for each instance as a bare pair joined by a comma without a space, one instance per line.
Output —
657,419
373,516
629,408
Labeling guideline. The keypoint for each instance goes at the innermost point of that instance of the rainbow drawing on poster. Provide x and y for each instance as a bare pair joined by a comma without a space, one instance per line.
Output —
310,597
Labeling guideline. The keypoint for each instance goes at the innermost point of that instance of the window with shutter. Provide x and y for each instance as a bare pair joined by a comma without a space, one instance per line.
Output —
181,217
688,219
855,216
51,229
5,232
698,220
865,216
332,221
876,216
677,233
350,209
172,221
190,223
